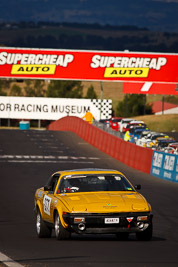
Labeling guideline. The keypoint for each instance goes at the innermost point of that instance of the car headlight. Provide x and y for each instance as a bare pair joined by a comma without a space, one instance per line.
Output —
142,218
79,219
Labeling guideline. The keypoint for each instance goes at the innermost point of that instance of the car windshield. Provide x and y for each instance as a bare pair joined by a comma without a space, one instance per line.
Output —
93,183
116,120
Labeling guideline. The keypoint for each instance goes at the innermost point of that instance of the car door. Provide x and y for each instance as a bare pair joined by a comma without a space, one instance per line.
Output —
48,198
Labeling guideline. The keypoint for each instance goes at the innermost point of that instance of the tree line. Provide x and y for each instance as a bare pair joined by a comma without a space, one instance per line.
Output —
94,42
86,36
37,88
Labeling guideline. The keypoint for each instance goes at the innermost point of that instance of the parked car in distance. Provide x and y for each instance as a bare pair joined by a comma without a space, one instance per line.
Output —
172,148
114,123
131,124
136,131
144,137
124,122
174,145
162,143
151,139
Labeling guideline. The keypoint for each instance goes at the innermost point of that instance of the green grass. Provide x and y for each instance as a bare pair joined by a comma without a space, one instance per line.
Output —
161,123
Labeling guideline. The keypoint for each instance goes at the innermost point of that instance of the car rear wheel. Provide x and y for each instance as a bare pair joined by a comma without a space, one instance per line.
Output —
42,229
145,235
60,231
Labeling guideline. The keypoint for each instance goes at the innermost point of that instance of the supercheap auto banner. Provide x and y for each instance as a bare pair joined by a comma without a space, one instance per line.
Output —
88,65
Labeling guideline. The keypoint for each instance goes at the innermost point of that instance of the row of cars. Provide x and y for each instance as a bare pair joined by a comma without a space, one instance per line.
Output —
158,141
123,124
141,135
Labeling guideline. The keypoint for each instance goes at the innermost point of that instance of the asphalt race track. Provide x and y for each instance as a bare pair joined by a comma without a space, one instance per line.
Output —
28,158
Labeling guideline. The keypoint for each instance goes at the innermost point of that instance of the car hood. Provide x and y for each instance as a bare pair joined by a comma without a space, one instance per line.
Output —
105,202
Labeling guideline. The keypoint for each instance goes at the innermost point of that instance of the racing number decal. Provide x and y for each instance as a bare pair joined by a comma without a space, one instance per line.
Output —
46,204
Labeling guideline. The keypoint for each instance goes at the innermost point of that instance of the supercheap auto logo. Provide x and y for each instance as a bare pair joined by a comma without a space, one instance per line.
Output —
23,63
127,67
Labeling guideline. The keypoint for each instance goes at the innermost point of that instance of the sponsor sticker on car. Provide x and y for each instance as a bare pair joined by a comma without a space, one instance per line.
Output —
46,204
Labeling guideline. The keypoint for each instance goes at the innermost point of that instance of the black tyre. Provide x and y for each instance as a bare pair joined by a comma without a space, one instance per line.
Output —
145,235
42,229
122,236
60,232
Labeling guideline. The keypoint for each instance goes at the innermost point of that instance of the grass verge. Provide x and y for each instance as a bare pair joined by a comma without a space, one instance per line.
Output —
161,123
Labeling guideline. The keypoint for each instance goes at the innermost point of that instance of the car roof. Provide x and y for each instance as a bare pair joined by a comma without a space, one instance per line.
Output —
115,118
134,122
127,119
87,171
140,129
165,140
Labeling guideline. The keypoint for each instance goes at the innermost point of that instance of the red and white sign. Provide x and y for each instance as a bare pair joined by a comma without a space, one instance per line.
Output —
150,88
88,65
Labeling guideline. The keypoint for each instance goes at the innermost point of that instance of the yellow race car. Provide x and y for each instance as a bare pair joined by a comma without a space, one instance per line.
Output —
92,201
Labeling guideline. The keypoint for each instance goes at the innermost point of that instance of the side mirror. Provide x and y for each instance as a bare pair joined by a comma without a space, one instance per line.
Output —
137,187
47,188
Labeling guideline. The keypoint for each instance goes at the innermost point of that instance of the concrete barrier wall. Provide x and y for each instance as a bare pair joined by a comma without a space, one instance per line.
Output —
130,154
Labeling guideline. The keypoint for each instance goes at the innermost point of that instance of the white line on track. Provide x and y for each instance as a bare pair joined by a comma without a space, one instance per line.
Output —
8,261
46,157
48,161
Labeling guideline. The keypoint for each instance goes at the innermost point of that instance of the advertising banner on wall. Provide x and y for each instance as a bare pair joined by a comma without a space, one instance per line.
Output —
88,65
150,88
43,108
165,166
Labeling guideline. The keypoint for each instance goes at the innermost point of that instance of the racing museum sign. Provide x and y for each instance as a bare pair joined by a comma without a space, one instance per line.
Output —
43,108
88,65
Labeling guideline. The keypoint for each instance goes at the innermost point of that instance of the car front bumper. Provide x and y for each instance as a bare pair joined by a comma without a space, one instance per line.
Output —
87,223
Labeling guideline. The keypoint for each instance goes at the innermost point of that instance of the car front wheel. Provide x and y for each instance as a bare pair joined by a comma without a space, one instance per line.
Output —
42,229
60,231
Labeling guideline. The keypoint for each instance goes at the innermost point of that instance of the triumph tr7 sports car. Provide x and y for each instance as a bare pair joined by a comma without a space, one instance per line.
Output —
92,201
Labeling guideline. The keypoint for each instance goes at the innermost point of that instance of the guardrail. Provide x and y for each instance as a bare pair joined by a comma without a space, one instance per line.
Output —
105,127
